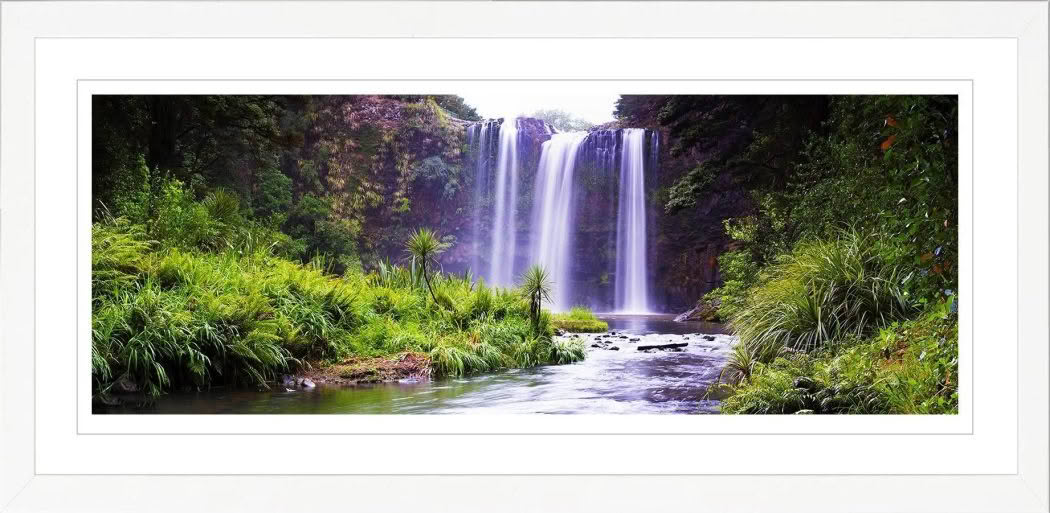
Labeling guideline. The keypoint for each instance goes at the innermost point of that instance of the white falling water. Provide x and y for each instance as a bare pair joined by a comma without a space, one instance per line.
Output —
632,290
503,247
552,218
480,187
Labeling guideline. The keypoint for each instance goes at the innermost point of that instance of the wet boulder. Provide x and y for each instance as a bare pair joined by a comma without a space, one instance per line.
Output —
125,385
705,310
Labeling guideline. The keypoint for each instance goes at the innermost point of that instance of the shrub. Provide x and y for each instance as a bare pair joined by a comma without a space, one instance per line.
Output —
739,273
907,368
822,292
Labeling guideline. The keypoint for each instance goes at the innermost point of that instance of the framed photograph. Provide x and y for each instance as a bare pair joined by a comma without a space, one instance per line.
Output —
728,256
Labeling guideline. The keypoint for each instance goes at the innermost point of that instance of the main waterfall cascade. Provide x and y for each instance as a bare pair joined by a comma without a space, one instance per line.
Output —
552,218
599,175
632,289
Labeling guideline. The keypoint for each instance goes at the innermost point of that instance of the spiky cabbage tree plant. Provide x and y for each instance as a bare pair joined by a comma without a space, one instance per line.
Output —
536,286
424,245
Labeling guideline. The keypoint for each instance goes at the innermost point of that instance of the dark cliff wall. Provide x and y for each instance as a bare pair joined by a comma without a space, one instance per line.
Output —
714,150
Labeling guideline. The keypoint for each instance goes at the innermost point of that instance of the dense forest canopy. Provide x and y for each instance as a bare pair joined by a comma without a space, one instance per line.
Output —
782,169
313,168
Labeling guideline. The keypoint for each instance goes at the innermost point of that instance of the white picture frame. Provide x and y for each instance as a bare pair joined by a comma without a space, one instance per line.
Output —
1002,465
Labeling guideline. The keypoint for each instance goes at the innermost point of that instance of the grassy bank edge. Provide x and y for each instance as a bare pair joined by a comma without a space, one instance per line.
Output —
579,319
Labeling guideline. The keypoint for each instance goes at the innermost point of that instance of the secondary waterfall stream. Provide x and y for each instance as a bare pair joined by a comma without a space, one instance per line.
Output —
632,288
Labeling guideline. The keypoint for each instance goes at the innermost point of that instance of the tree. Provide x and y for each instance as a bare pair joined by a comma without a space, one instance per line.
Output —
536,285
457,106
425,246
563,121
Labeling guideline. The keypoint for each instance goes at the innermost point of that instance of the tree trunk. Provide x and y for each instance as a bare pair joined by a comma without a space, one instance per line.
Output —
427,281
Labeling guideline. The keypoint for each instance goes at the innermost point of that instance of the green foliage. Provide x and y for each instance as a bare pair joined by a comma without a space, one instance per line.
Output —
579,319
168,318
739,273
131,191
424,246
907,368
118,252
275,192
563,121
457,106
824,291
536,287
683,193
875,163
182,222
726,143
437,173
319,169
891,163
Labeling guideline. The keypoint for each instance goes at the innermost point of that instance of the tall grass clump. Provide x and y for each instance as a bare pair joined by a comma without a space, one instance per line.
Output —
831,328
907,367
822,292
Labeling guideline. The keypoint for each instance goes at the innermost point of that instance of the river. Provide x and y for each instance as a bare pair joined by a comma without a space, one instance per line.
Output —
625,380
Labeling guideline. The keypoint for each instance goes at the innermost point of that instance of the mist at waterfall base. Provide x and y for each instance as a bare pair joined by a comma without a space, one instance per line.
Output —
573,202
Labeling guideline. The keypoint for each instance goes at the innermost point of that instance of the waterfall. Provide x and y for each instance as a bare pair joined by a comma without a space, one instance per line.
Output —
593,247
479,144
552,213
504,240
632,290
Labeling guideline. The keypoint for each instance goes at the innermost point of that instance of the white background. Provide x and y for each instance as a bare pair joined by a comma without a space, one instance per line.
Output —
61,63
27,437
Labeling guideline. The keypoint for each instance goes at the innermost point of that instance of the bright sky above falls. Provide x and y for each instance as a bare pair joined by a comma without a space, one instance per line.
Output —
596,108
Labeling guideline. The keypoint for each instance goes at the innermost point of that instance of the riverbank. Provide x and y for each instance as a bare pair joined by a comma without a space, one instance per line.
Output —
607,381
907,368
166,318
579,320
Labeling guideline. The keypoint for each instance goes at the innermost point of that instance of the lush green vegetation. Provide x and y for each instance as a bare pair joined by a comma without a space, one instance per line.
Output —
563,121
237,238
349,177
579,319
229,244
166,317
841,269
907,367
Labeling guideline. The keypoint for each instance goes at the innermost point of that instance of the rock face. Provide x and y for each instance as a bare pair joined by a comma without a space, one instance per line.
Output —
705,310
426,167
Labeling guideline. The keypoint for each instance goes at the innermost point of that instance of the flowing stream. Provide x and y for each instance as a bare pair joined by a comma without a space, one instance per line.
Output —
624,381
